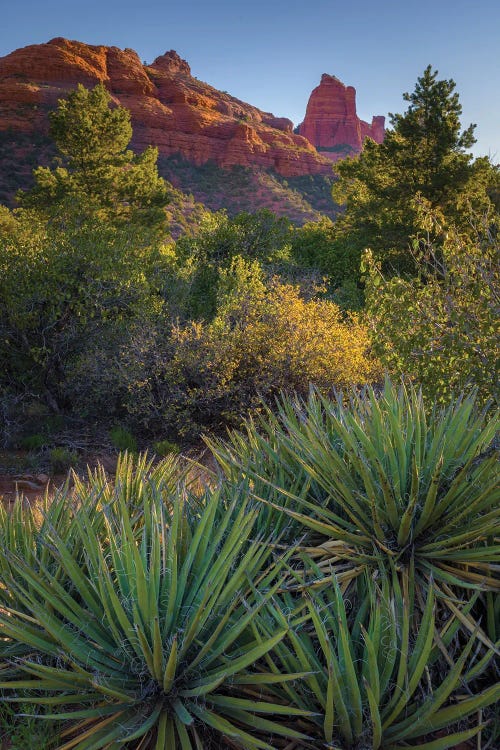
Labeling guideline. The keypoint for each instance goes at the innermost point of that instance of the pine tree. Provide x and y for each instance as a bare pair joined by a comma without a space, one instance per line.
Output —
423,159
97,177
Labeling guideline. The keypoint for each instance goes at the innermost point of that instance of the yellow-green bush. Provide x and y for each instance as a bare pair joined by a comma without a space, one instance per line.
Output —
283,341
261,342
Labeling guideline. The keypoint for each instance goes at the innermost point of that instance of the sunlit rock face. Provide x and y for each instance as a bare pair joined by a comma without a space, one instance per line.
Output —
331,122
169,107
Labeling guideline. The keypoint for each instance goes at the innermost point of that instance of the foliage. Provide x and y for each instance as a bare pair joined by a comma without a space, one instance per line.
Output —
91,332
264,338
23,729
441,327
34,442
261,237
370,676
165,447
314,245
336,588
423,154
22,533
317,190
184,214
122,439
98,178
156,640
63,294
62,459
25,529
239,188
381,483
134,612
317,246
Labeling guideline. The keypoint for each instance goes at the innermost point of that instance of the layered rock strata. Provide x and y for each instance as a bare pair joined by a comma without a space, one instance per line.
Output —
169,107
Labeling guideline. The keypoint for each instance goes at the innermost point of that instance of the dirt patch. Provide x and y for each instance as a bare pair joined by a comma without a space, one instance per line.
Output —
30,486
33,485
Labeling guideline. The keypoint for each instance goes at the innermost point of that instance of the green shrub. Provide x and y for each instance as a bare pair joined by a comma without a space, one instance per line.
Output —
62,459
70,289
264,339
122,439
165,447
441,327
34,442
316,245
25,422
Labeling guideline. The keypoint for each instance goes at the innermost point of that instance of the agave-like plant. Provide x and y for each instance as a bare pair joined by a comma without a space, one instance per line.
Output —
153,644
372,682
24,528
381,481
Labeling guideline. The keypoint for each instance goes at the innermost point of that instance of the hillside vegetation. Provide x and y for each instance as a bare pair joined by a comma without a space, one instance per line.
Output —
124,301
237,189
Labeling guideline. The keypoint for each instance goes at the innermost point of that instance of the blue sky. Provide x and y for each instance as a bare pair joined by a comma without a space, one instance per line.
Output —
272,53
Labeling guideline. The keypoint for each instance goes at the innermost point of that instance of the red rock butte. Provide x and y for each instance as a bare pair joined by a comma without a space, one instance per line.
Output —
331,122
169,107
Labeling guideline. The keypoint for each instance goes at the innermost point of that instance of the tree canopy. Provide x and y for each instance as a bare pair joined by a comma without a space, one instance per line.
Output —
97,176
423,156
65,293
441,326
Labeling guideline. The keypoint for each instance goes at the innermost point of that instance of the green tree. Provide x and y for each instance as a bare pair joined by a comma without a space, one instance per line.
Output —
424,155
262,237
64,296
441,327
315,246
97,177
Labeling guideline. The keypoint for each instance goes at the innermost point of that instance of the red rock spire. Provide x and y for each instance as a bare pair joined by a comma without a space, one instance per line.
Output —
331,122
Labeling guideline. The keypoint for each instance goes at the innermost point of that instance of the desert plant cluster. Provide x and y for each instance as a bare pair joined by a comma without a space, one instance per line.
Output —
334,584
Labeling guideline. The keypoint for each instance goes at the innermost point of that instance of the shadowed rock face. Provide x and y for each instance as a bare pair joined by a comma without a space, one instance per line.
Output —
170,108
331,123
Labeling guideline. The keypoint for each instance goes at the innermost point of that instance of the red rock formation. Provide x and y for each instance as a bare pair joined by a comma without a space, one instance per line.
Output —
170,109
331,123
376,130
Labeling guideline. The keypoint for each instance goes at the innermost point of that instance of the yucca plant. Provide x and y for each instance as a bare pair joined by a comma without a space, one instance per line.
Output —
24,528
135,479
154,643
372,682
258,455
393,483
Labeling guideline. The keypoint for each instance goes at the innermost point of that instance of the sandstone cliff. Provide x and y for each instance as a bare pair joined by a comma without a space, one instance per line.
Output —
331,122
170,108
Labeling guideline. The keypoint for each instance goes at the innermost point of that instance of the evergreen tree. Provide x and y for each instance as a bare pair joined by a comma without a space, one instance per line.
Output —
97,177
423,158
